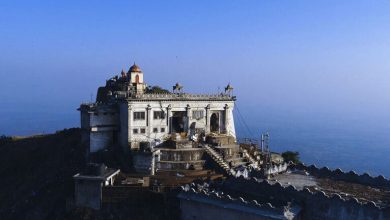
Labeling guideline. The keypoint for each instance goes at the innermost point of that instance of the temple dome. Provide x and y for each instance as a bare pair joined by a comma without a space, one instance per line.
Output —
135,68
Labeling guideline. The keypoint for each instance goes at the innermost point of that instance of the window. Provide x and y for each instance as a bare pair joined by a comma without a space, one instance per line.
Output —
135,131
155,130
162,130
139,115
158,114
143,130
197,114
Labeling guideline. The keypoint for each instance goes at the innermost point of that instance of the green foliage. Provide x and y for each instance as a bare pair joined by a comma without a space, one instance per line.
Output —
156,89
102,94
291,156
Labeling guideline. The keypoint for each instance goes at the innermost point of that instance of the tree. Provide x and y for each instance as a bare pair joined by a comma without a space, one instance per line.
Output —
156,89
291,156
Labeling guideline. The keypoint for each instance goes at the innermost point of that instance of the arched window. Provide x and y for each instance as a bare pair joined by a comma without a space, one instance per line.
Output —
137,78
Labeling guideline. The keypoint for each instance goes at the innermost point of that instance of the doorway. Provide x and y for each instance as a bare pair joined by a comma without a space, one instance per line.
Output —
179,122
214,122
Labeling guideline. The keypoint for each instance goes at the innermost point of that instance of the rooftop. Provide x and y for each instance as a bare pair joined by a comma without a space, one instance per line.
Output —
347,190
97,172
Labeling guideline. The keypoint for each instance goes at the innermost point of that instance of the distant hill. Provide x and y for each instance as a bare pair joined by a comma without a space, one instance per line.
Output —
36,174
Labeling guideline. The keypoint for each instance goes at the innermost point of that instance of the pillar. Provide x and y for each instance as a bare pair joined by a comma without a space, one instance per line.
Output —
169,115
149,121
227,113
153,165
155,154
188,118
129,126
208,119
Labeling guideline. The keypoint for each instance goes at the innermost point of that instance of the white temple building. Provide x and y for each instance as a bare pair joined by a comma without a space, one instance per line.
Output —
130,114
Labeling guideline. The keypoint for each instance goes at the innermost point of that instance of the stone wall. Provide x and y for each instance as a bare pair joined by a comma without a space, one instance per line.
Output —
98,122
198,203
316,205
142,162
191,154
88,193
337,174
101,140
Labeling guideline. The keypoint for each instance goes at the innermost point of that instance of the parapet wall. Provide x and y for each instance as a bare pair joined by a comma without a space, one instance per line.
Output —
206,204
183,96
316,205
337,174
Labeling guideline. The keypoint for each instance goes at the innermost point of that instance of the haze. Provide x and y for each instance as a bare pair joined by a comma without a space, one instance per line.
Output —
298,67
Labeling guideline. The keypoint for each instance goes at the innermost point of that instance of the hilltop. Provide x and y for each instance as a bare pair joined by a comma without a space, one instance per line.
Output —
37,174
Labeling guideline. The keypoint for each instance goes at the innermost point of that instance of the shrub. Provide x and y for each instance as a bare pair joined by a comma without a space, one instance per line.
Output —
156,89
291,156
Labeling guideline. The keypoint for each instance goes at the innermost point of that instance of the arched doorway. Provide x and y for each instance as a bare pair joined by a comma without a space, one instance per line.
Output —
214,122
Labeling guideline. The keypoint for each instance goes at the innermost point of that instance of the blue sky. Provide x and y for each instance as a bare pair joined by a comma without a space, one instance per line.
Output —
301,60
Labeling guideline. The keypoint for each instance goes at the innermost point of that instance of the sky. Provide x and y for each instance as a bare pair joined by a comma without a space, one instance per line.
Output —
289,61
315,74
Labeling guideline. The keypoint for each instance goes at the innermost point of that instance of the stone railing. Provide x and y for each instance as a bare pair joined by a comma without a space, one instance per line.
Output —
276,168
273,169
351,176
183,96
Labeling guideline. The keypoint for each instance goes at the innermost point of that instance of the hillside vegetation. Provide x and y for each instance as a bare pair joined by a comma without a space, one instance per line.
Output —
36,174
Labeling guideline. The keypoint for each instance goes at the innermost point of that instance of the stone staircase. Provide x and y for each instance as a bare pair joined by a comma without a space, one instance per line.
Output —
254,162
219,160
237,161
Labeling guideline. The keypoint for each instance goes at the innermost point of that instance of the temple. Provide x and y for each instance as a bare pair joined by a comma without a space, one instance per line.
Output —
136,118
128,113
177,154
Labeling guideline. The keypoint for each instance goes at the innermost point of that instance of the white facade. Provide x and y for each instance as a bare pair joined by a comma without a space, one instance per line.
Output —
133,119
99,125
154,130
